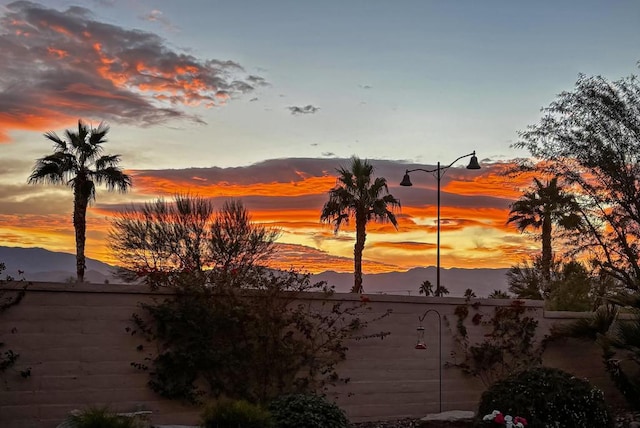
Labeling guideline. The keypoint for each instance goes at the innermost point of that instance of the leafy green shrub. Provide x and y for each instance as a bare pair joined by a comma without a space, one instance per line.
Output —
227,413
547,397
306,410
100,417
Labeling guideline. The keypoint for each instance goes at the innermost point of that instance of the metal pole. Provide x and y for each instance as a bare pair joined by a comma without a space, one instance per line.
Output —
440,358
439,172
438,176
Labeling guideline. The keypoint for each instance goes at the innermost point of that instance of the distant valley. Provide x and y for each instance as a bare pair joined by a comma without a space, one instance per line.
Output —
42,265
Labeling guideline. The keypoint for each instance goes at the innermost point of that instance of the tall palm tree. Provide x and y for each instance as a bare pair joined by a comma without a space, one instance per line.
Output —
79,163
359,196
541,208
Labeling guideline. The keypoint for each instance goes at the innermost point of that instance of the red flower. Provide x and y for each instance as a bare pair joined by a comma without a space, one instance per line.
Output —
499,418
520,419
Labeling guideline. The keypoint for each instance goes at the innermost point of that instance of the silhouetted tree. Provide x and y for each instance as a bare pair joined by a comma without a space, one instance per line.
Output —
590,137
542,207
79,163
360,196
189,235
499,294
426,288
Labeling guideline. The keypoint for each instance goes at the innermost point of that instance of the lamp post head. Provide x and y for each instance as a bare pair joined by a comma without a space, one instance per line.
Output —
406,180
473,163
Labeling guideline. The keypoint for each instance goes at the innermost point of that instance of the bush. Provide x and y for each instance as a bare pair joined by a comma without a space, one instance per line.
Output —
306,410
227,413
547,397
100,417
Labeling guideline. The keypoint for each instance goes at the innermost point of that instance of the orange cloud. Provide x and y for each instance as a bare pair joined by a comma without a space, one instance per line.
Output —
289,194
104,73
157,185
36,119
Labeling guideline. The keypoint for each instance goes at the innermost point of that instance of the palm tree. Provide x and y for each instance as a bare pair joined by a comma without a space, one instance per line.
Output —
426,288
541,208
79,163
359,196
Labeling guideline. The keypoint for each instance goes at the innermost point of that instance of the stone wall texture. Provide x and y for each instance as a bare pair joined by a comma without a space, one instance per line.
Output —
75,339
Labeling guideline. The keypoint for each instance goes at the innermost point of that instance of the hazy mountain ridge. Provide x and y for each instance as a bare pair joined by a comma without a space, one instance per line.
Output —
456,280
39,264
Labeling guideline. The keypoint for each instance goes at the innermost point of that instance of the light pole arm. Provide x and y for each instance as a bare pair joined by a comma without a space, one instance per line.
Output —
441,168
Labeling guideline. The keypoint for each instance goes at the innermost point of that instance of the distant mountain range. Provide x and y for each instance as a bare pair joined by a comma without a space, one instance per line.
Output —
39,264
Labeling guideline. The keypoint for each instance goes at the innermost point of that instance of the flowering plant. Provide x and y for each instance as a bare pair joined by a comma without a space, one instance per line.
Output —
507,420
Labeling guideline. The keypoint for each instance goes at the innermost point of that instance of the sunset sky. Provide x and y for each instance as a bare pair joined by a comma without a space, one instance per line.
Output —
263,100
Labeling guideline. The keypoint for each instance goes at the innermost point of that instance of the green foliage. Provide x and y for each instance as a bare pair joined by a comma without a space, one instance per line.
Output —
570,286
571,290
101,417
547,397
306,410
510,345
526,280
226,413
617,332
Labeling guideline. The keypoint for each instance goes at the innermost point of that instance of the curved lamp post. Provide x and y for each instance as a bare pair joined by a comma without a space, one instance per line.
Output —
421,344
438,173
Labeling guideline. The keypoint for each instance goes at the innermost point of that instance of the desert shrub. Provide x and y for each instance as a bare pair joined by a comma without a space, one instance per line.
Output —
230,325
100,417
253,344
227,413
547,397
509,346
306,410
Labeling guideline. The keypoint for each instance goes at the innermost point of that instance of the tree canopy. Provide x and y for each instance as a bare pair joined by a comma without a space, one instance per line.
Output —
590,138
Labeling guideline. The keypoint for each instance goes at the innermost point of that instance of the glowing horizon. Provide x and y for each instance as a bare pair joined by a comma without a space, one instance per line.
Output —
265,110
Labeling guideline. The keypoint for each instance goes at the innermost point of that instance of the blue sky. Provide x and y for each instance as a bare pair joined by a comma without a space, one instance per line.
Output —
412,82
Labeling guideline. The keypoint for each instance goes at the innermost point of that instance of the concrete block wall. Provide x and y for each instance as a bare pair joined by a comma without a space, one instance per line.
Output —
75,339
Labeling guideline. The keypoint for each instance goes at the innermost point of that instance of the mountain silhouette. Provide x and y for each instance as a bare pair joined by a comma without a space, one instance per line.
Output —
39,264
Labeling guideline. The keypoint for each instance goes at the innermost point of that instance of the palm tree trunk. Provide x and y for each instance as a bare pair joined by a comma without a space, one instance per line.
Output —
358,249
80,225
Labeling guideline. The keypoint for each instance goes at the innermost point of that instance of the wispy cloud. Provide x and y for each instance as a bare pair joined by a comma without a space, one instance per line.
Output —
157,16
308,109
60,65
